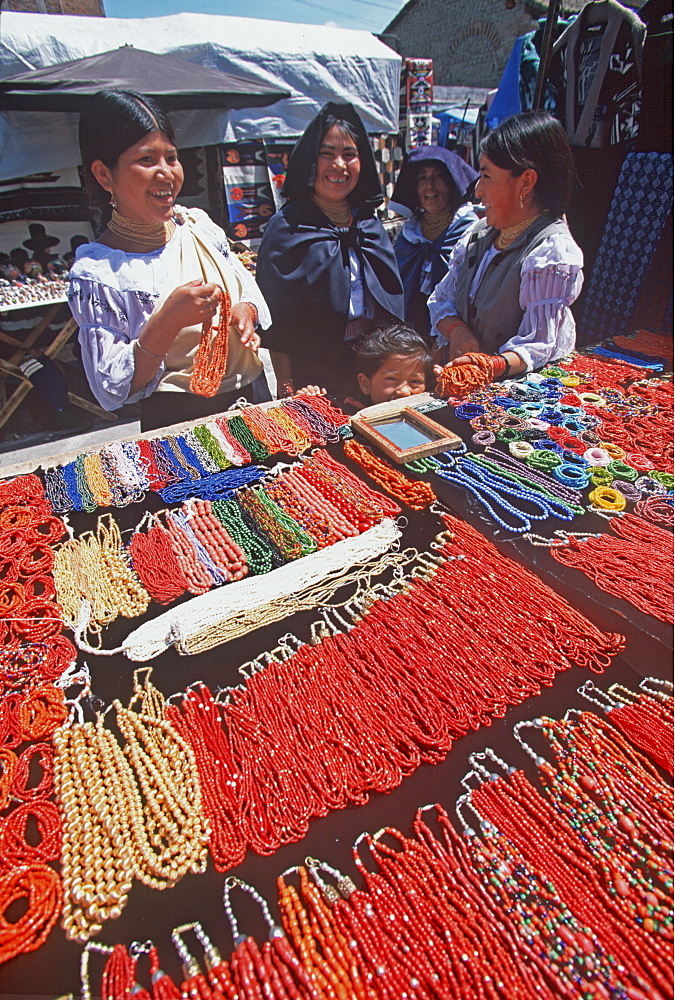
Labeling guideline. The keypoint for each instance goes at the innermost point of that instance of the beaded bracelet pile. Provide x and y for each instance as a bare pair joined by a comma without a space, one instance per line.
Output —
584,439
34,654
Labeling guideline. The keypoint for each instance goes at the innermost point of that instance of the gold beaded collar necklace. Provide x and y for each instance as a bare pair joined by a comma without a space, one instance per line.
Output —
506,237
154,234
340,213
432,226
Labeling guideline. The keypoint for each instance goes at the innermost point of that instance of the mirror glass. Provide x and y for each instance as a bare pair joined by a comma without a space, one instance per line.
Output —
402,433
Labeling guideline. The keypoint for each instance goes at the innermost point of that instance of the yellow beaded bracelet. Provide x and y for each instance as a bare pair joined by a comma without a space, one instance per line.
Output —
606,498
612,449
594,398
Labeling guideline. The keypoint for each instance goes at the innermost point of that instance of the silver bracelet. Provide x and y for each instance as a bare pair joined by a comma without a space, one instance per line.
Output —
157,357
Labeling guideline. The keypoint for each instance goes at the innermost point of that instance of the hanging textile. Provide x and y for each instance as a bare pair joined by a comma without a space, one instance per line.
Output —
595,75
640,207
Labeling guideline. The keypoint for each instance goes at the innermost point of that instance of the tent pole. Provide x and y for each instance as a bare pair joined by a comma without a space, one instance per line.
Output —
545,55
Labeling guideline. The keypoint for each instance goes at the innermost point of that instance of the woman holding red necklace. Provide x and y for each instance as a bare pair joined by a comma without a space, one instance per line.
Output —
144,289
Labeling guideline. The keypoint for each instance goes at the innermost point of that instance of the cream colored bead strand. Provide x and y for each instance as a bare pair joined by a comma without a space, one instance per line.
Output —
96,859
208,620
95,568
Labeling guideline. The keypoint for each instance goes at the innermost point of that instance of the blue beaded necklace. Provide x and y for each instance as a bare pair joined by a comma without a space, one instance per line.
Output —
489,489
219,486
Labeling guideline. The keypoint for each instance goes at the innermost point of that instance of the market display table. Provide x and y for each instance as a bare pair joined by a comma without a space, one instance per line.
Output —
54,969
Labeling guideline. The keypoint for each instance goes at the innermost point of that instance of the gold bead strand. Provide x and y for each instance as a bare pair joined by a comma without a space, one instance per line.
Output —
171,821
95,858
130,597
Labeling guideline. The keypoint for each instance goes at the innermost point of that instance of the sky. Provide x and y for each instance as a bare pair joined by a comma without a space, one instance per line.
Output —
364,15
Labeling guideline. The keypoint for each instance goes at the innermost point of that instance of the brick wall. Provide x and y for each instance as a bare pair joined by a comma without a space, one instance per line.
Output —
83,8
469,40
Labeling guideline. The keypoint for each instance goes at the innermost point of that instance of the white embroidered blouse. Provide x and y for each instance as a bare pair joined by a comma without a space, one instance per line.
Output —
112,295
551,280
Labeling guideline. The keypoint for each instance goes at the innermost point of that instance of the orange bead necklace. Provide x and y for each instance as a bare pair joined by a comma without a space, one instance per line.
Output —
416,494
211,357
459,381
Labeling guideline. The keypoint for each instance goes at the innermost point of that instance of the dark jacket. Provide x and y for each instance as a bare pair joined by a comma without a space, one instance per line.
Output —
303,260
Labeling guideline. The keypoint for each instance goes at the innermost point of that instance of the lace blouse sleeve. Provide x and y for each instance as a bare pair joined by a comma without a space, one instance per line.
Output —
551,280
109,322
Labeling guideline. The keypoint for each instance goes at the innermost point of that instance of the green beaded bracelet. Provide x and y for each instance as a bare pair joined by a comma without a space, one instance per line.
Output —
543,460
508,433
665,478
601,476
620,470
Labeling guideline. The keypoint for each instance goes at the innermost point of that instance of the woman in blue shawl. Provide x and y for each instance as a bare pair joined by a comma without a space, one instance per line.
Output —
326,267
435,184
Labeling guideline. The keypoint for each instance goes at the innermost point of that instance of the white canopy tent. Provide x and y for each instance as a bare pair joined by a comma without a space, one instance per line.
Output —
314,63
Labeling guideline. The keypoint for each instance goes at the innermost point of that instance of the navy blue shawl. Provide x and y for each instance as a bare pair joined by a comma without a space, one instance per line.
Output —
303,272
411,259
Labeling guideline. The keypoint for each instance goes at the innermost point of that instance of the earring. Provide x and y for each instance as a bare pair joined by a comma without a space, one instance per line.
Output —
112,200
521,201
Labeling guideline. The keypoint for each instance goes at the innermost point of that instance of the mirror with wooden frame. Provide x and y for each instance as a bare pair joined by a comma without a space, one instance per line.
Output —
405,435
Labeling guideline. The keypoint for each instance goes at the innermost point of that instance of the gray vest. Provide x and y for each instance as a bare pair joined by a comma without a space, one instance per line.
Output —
495,314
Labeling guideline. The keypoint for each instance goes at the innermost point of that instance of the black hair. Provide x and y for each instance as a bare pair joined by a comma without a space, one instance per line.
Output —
397,338
301,171
110,123
535,140
331,121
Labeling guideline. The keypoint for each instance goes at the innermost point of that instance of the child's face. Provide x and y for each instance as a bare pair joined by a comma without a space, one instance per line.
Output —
399,376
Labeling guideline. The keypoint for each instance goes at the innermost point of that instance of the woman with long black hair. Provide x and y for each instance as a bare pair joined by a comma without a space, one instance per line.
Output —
326,266
153,282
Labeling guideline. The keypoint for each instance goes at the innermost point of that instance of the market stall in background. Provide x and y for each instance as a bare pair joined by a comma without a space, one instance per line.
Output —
234,158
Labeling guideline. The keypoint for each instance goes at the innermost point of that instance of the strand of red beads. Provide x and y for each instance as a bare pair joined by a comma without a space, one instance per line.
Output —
638,567
415,493
157,565
648,724
550,846
211,357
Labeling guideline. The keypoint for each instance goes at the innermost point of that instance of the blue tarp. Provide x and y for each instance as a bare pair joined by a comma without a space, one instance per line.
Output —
453,118
507,99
